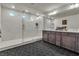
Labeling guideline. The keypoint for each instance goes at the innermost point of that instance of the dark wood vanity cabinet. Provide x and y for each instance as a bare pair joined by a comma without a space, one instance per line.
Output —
77,42
52,37
58,38
45,35
68,41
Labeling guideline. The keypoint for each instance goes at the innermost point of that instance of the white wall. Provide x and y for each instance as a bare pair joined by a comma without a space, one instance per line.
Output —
49,24
72,22
57,23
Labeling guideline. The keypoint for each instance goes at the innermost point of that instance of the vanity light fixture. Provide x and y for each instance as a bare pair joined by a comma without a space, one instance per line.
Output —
53,13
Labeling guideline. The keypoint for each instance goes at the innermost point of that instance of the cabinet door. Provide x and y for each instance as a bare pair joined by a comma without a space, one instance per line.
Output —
68,41
52,37
45,35
58,38
77,43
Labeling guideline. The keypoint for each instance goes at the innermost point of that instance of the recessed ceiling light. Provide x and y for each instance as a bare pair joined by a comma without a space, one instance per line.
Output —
26,11
13,7
53,13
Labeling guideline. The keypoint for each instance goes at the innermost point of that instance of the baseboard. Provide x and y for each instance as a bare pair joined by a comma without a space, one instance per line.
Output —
31,40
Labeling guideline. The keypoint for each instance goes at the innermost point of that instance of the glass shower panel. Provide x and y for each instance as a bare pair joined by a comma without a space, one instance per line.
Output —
11,25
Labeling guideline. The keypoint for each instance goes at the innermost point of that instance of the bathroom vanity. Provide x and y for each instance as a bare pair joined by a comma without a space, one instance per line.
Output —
65,39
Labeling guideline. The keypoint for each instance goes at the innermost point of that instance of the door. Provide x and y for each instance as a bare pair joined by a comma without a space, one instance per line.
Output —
30,29
27,27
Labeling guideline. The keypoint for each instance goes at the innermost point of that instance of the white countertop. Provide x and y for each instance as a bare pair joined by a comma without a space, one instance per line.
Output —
62,31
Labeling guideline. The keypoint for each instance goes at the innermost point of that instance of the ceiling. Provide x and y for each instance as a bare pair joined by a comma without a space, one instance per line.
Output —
40,7
67,13
44,8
